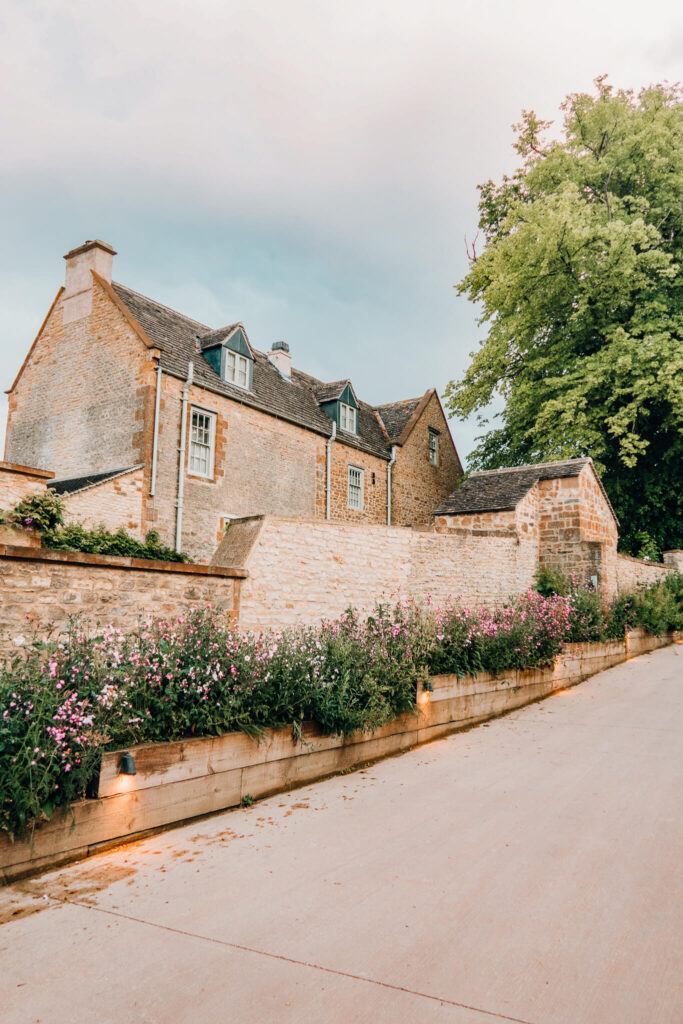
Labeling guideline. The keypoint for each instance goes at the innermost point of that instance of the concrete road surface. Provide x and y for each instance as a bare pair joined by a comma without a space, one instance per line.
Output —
528,870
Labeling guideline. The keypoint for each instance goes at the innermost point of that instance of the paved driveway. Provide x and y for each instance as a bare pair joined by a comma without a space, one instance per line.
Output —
527,870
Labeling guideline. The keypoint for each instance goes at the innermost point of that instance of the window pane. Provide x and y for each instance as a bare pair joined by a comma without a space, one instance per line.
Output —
355,488
201,444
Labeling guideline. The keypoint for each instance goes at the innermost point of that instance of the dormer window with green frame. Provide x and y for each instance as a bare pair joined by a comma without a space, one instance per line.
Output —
347,418
340,403
229,353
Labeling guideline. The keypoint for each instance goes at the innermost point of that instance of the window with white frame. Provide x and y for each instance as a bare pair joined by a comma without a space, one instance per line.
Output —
236,369
347,418
355,487
202,437
433,447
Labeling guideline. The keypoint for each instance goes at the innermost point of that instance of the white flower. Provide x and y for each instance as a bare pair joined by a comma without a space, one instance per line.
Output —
19,641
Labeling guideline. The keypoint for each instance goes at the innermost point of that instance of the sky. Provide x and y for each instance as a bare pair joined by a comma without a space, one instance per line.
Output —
307,167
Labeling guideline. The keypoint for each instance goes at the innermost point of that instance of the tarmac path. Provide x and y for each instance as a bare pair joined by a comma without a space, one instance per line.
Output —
528,870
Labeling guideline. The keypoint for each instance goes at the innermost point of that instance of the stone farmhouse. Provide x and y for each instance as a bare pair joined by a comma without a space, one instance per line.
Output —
149,419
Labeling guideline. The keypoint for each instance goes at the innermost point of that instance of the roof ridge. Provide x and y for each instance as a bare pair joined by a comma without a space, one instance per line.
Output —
529,465
400,401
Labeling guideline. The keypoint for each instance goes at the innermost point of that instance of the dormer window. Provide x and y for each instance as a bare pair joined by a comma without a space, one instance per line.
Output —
236,369
228,351
347,418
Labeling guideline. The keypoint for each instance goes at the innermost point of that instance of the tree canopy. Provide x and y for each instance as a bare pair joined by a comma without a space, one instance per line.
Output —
580,283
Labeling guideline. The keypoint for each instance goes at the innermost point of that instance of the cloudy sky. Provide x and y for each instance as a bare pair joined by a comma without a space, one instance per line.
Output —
305,166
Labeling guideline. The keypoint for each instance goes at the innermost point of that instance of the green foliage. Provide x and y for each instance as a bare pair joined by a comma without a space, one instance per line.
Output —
581,291
62,703
42,511
103,542
551,580
247,800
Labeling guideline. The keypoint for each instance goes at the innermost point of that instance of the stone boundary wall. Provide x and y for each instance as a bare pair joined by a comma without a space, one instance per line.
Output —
40,586
18,482
189,778
304,571
635,572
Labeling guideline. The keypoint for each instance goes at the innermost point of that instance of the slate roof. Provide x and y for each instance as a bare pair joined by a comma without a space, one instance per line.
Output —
395,415
500,490
295,401
80,483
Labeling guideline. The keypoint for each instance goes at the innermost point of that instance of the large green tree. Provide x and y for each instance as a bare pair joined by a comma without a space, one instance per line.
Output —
580,283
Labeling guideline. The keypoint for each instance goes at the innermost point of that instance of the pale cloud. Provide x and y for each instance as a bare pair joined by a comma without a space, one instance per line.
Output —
310,167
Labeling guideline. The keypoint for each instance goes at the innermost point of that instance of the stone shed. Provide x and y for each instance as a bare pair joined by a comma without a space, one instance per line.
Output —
559,509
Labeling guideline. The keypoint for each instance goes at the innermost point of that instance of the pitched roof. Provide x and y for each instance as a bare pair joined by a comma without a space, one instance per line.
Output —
73,484
296,400
395,416
500,490
329,392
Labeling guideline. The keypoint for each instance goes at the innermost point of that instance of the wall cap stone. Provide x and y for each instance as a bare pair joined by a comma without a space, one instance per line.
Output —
13,467
118,562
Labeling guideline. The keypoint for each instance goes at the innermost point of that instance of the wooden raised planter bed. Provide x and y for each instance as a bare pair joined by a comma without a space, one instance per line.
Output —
189,778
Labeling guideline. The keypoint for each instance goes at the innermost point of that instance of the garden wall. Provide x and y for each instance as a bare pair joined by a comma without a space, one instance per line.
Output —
635,572
40,586
17,482
181,780
302,571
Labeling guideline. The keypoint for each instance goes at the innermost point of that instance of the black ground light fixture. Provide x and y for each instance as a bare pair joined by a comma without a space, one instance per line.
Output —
127,766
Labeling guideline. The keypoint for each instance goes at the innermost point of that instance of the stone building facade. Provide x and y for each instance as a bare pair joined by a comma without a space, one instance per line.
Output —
117,389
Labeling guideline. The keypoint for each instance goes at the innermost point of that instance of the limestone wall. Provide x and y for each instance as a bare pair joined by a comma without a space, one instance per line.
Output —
307,571
113,504
635,572
673,559
46,587
18,482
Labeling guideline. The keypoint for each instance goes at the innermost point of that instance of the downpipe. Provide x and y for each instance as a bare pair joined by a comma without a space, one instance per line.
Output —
328,469
391,462
181,460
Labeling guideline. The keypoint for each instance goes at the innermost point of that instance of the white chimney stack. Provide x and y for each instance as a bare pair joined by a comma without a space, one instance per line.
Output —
92,255
281,359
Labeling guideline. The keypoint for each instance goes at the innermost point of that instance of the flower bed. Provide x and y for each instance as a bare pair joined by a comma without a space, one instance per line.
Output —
65,704
182,779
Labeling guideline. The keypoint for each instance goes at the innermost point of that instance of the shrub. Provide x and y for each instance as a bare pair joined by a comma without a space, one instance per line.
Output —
104,542
64,702
43,511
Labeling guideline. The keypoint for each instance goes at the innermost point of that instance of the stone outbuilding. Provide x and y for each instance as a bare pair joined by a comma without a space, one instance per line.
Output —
558,509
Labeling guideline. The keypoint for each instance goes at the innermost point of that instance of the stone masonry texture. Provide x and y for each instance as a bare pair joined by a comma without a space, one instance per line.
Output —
45,588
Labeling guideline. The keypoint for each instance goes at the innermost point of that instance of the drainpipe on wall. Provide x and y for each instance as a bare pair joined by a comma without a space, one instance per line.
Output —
328,468
155,441
392,460
181,460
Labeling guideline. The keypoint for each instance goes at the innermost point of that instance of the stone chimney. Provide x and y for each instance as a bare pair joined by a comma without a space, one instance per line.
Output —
92,255
281,359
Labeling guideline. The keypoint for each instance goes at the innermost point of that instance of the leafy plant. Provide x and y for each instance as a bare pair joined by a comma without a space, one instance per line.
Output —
580,287
103,542
42,511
